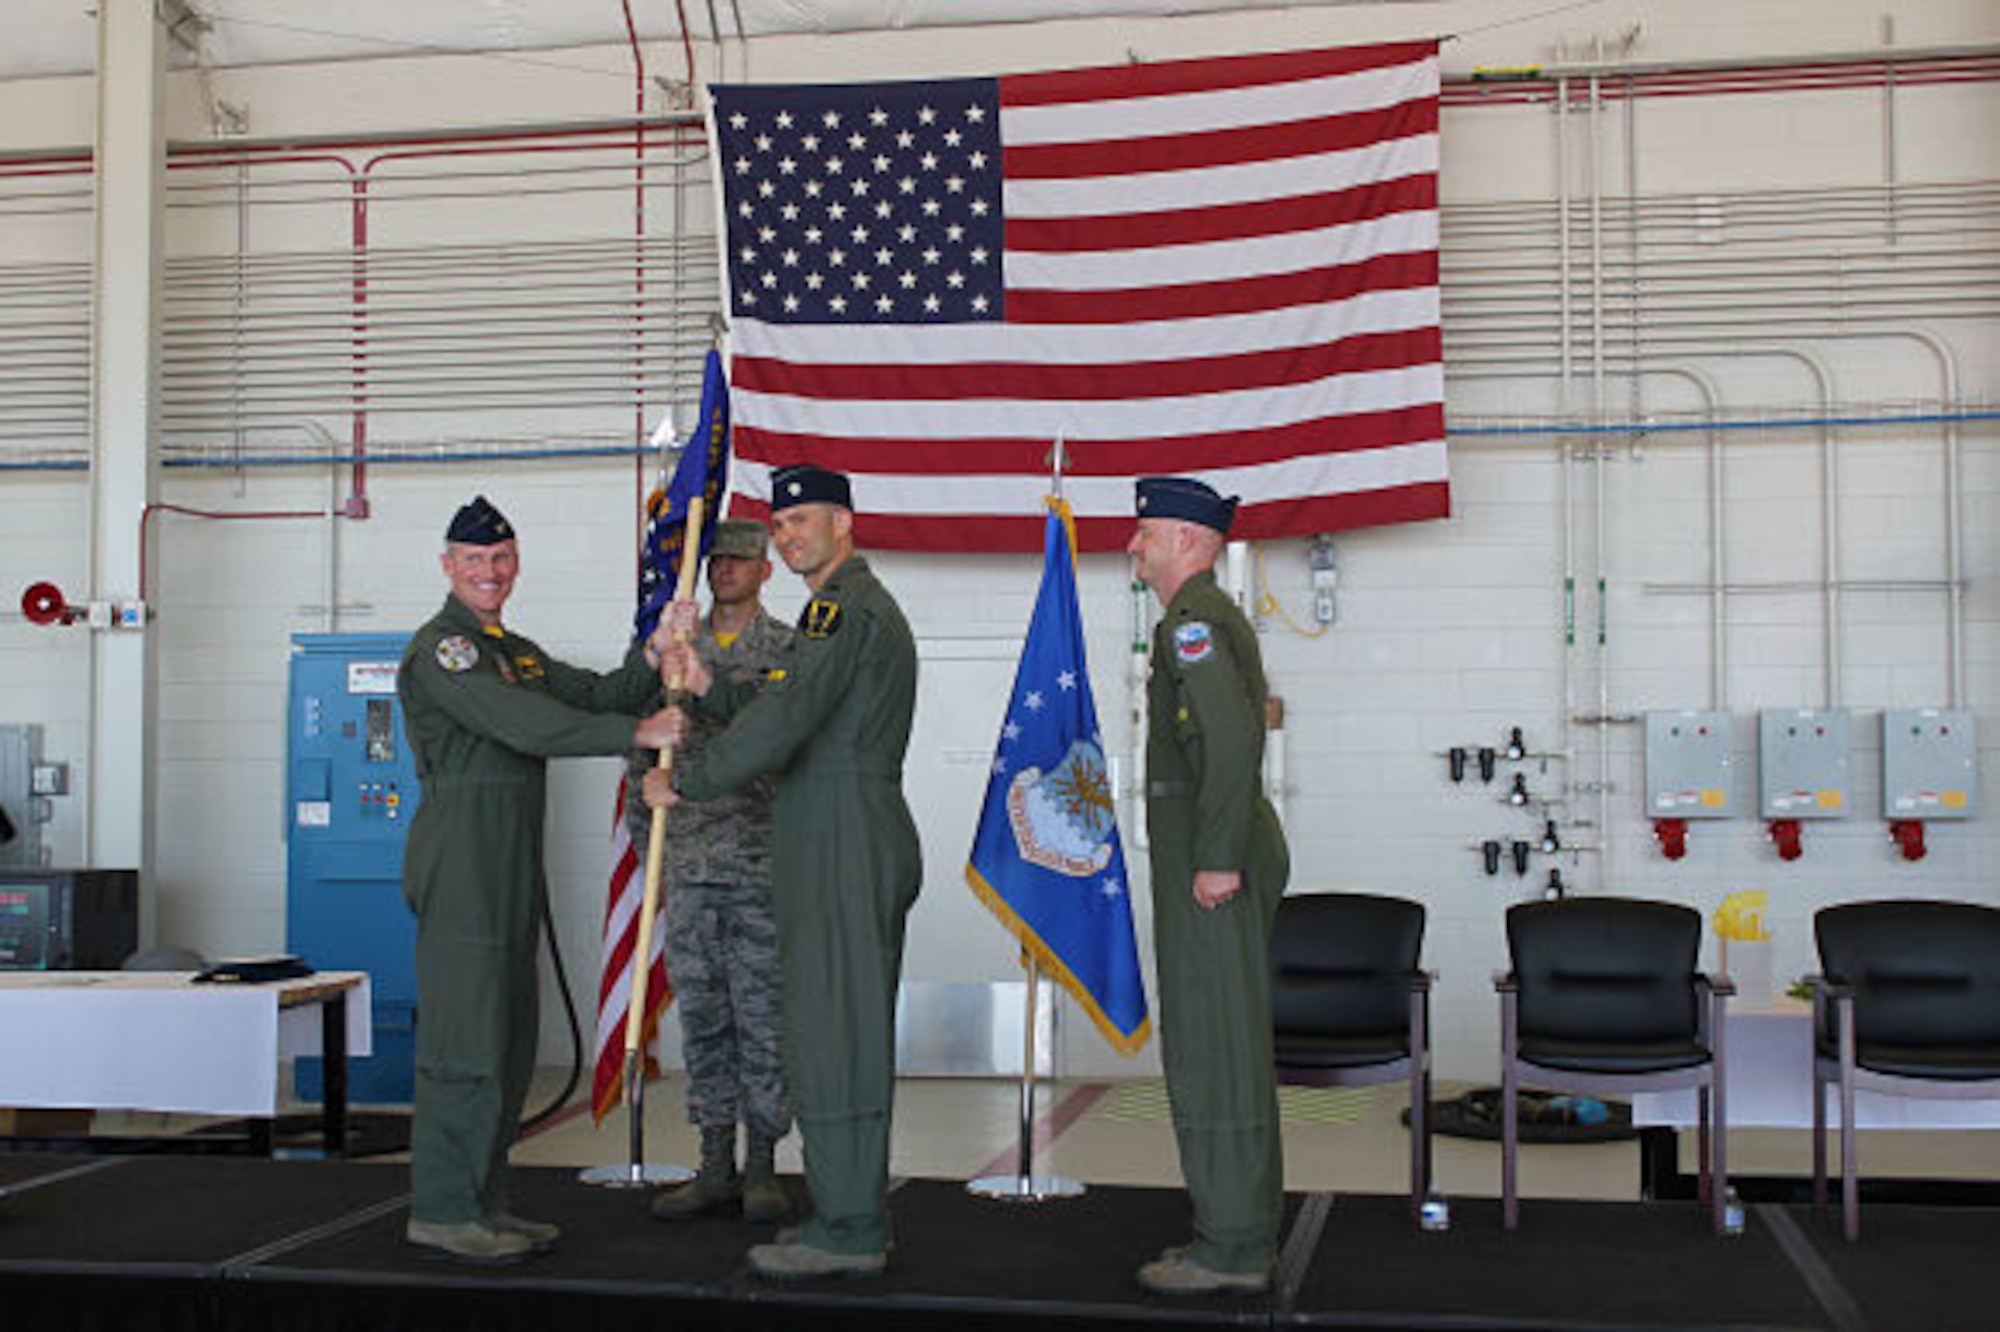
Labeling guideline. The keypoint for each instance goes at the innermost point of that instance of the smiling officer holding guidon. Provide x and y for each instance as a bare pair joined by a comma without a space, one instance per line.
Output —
485,709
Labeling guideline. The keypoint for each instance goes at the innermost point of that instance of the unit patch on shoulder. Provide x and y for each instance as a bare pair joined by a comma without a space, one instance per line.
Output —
820,619
457,653
1193,642
531,668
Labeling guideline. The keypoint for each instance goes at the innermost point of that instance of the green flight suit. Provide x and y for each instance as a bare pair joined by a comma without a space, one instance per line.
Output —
1205,810
483,709
834,723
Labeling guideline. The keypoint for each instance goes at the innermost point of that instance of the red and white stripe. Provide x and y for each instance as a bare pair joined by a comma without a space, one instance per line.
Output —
614,989
1218,267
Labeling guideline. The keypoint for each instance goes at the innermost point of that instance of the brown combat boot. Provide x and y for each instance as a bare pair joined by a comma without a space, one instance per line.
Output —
473,1242
765,1202
716,1186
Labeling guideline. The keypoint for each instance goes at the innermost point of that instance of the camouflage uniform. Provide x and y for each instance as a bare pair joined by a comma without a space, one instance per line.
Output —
721,939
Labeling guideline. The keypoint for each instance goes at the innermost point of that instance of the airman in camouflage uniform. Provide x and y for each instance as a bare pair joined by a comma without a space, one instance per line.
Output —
484,709
1219,866
720,935
846,865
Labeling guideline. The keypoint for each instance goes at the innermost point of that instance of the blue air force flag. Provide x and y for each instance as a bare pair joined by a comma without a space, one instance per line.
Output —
1046,857
703,470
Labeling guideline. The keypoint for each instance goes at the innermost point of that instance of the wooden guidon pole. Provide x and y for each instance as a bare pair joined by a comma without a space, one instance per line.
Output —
642,953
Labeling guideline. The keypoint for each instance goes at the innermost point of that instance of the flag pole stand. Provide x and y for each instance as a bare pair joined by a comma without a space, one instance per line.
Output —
637,1173
1025,1186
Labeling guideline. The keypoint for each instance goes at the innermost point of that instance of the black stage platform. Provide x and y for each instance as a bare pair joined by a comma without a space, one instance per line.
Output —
175,1243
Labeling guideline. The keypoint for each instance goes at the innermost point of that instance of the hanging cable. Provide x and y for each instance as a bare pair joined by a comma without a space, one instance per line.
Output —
549,1111
1268,603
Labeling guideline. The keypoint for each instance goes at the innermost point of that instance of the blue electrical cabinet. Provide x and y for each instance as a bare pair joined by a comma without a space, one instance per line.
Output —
350,788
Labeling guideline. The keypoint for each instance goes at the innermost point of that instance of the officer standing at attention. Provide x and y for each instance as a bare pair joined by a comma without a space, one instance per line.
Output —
484,708
845,863
1219,866
721,937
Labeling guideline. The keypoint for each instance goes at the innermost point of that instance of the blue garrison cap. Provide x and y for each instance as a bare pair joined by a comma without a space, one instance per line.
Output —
803,483
479,524
1185,498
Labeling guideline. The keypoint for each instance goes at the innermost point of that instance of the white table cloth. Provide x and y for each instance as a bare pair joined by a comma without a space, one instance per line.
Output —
1768,1069
156,1041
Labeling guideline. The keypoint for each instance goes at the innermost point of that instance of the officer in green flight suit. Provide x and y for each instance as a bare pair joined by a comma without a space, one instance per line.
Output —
1219,866
484,708
833,722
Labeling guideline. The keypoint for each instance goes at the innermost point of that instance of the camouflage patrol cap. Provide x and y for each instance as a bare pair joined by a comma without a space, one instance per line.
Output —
479,524
742,538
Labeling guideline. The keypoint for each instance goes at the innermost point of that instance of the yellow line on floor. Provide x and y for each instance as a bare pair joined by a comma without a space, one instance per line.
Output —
1146,1102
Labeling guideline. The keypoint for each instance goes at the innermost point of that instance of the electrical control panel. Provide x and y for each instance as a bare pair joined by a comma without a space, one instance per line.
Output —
21,809
1803,764
1689,767
1930,766
351,788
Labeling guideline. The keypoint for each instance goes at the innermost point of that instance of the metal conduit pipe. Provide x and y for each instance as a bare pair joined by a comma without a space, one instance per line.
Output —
1978,57
1635,403
1566,403
1954,538
1718,615
1833,582
1602,663
1844,72
1829,466
1949,281
438,451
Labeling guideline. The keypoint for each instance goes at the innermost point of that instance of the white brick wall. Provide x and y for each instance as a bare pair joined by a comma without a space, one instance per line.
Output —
1448,632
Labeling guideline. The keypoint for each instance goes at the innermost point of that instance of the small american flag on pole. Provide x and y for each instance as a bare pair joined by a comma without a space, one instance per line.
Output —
1225,268
700,472
614,984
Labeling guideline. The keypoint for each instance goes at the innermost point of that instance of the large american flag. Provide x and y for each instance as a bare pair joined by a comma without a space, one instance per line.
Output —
1222,267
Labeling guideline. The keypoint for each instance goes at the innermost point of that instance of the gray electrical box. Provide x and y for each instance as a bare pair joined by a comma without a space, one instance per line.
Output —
22,812
1802,764
1930,766
1689,767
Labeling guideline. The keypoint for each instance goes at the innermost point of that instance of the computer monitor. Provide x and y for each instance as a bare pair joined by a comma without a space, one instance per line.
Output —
67,919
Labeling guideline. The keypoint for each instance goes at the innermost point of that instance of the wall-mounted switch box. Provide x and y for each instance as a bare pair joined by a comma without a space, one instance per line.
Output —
1803,764
1930,764
1689,767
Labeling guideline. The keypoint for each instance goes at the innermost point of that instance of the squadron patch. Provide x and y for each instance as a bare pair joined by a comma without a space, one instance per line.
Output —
457,653
531,668
820,619
1193,642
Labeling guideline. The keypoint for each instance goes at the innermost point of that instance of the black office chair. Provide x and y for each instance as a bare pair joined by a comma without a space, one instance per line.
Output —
1908,1004
1350,1005
1604,996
